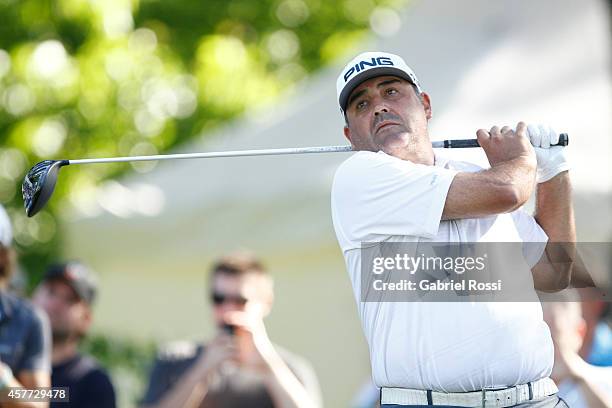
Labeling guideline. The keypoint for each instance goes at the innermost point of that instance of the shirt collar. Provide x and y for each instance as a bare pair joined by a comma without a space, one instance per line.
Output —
441,161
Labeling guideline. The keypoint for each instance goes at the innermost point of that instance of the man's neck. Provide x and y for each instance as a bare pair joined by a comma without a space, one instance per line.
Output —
417,156
64,351
425,157
416,148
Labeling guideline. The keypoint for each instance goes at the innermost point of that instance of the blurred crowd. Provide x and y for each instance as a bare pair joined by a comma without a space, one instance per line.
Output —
240,366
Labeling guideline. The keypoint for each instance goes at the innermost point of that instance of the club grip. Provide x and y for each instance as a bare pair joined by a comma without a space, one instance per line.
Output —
464,143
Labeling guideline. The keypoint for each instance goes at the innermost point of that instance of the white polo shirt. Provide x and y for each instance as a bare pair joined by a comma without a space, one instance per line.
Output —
440,346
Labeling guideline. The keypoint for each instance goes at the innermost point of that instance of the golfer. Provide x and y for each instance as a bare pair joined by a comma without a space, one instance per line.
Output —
395,189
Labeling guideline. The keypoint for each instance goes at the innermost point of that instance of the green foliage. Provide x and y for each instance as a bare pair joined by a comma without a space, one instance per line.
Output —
82,78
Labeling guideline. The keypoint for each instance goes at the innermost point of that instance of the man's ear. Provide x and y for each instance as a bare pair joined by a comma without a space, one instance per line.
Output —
347,133
86,320
427,105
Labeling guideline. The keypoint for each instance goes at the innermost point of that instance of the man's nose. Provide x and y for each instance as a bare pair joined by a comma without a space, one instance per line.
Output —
380,109
231,307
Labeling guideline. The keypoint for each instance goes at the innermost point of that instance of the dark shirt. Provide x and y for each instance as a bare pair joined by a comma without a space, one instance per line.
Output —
229,387
88,383
25,337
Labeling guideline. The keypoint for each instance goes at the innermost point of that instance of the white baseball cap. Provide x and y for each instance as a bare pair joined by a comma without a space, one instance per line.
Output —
368,65
6,232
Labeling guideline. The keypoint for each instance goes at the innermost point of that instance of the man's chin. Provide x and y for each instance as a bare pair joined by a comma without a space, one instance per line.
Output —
395,142
61,336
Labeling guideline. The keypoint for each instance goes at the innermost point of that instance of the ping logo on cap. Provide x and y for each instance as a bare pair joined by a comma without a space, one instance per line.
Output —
368,65
361,65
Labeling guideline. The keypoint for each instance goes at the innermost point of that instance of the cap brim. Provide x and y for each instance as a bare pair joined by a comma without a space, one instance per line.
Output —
364,76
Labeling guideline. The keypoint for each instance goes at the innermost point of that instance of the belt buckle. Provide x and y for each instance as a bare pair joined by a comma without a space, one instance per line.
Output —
484,394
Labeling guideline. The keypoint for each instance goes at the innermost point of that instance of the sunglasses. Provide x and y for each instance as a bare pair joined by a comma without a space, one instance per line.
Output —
220,298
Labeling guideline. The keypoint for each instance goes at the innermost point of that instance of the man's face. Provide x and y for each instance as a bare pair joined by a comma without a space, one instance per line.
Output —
69,316
386,113
250,293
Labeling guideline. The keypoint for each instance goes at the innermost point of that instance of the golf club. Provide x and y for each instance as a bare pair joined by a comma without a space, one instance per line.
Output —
39,183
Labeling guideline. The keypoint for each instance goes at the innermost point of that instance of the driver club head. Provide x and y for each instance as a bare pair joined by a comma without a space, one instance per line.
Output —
39,183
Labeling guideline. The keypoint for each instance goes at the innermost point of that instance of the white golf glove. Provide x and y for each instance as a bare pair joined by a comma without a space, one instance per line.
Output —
552,160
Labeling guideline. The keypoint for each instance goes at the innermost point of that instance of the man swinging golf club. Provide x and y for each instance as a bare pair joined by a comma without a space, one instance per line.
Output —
395,189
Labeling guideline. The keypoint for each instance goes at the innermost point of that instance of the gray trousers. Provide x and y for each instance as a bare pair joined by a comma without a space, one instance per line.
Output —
549,402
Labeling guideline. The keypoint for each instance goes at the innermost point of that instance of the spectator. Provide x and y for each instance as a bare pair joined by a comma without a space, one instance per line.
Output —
66,294
240,367
581,384
24,331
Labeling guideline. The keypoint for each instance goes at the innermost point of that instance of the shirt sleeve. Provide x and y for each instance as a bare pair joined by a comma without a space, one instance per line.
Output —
165,374
375,196
172,362
37,348
533,236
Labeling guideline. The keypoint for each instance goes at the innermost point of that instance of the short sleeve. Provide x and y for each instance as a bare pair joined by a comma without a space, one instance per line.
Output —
533,236
172,362
37,348
375,196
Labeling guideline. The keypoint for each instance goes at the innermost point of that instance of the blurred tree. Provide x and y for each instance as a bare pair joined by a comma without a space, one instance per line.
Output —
87,78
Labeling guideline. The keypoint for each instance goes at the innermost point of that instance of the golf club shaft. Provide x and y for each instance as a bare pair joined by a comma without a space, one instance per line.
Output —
461,143
204,155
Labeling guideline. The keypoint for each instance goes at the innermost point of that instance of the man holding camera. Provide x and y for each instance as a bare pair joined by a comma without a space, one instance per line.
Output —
240,366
